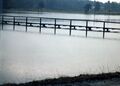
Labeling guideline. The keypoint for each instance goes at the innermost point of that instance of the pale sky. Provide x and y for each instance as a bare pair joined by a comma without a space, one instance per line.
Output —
108,0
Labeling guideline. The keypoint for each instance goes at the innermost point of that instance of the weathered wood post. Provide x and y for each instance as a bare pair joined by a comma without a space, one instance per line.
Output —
13,23
103,29
40,25
2,21
26,23
70,27
86,27
55,27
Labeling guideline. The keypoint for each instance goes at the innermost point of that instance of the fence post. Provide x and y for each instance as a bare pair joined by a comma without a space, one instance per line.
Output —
55,28
86,27
40,26
13,23
26,23
70,27
103,29
2,21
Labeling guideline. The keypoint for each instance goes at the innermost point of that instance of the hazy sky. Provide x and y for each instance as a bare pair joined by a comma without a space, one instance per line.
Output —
108,0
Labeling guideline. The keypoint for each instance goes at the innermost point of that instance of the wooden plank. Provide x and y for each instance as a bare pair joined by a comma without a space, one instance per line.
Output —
70,27
40,25
13,23
55,28
26,23
103,30
2,21
86,28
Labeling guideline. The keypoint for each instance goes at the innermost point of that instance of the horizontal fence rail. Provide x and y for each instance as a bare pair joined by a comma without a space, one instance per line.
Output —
61,23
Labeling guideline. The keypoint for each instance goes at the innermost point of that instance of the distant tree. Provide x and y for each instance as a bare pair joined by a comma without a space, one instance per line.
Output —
40,5
1,5
62,5
87,7
107,7
115,7
97,6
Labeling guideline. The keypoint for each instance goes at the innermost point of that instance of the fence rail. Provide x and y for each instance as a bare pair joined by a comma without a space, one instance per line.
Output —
60,23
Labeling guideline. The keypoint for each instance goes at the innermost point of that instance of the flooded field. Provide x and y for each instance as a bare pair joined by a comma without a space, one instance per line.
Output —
28,56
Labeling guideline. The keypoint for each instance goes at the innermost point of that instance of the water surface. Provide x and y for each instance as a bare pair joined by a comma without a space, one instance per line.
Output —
33,56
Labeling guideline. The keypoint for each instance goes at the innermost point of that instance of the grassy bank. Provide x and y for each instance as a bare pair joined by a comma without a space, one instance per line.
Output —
81,80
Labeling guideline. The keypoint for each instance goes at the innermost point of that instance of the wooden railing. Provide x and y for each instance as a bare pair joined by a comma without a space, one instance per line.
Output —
54,23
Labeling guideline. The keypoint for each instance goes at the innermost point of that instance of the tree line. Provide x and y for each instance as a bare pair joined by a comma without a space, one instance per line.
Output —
1,5
85,6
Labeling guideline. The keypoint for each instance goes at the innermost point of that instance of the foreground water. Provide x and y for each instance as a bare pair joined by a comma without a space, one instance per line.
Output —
33,56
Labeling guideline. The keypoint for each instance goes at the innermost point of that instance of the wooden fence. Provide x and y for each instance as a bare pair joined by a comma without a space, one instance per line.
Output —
60,23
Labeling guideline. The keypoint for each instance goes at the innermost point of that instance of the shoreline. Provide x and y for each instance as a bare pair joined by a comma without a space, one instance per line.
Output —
57,11
113,79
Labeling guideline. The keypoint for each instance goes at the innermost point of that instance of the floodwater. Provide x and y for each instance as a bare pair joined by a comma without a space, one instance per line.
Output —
28,56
